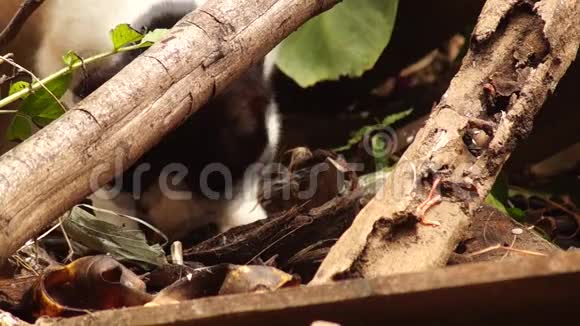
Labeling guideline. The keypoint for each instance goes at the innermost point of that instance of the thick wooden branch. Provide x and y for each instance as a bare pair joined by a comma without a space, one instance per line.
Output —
519,52
27,8
50,172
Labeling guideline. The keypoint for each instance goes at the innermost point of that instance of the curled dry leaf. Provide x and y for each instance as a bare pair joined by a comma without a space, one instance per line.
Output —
224,279
242,279
89,283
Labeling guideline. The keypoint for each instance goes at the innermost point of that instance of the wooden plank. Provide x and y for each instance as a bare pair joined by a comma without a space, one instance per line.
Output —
530,289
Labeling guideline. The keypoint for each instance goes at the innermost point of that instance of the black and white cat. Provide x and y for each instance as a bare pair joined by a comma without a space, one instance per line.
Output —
220,148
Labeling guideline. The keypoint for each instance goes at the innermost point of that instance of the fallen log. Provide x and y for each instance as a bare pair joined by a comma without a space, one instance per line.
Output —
519,51
60,165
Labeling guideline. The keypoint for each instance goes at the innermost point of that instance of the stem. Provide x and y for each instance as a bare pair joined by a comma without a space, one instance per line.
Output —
34,78
36,85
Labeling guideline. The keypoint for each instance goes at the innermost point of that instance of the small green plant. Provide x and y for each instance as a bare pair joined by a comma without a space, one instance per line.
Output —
359,135
40,104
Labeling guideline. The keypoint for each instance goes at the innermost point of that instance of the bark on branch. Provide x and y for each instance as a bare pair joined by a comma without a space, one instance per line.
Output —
49,173
27,8
519,51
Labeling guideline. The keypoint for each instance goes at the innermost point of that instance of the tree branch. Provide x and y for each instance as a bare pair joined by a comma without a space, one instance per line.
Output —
209,48
519,52
27,8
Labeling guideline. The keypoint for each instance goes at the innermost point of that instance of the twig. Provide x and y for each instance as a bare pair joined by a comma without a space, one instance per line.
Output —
27,8
500,247
5,78
6,56
510,247
38,81
19,261
278,240
71,250
80,64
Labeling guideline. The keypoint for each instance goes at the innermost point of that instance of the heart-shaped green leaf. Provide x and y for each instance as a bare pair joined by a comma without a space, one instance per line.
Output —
42,101
39,107
123,35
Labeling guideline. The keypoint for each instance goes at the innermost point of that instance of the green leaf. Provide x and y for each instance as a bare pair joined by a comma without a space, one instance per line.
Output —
51,113
516,213
150,38
18,86
39,108
498,198
41,103
493,201
41,122
345,41
500,188
359,135
123,35
123,244
395,117
71,58
155,35
20,128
